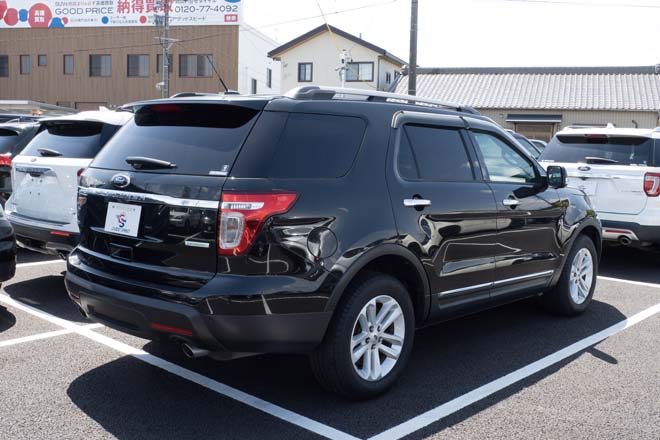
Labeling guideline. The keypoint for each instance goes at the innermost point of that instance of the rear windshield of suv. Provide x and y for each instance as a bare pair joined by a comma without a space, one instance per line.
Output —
8,138
198,139
301,146
69,139
599,149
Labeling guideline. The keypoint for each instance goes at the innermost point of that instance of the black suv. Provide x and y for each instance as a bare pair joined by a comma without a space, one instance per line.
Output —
328,221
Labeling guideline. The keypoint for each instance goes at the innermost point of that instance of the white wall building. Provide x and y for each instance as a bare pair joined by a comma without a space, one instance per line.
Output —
257,73
314,58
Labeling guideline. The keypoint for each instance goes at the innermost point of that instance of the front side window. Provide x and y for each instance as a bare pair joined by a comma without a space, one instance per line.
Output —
68,64
100,65
138,65
305,72
195,66
360,72
502,161
434,154
4,66
25,64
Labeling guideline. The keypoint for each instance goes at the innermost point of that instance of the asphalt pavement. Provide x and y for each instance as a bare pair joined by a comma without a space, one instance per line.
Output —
513,372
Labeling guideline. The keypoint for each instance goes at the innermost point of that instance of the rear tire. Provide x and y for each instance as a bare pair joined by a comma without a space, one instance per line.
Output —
575,288
369,340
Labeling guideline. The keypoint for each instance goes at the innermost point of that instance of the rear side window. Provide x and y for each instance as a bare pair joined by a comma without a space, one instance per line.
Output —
73,139
200,139
437,154
599,149
8,138
301,146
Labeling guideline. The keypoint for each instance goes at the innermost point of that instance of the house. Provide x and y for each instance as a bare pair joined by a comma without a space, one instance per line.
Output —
257,73
314,58
539,101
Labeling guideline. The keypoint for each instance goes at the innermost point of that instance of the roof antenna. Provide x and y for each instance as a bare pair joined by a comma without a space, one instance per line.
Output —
227,91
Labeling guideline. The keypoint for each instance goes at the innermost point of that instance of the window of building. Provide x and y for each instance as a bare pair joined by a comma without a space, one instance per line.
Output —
269,78
436,154
253,86
360,72
100,65
388,77
195,66
503,162
305,72
68,64
25,64
159,63
42,60
4,66
138,65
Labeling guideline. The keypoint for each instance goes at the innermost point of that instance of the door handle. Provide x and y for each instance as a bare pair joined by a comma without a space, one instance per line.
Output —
511,202
413,203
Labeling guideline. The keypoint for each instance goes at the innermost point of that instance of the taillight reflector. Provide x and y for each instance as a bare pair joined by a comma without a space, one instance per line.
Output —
652,184
169,329
60,233
243,214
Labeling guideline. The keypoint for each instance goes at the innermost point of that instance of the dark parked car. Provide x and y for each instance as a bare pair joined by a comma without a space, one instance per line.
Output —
7,249
539,144
532,149
344,219
14,136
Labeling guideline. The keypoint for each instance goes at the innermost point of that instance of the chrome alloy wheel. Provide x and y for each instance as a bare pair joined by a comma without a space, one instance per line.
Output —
582,276
378,335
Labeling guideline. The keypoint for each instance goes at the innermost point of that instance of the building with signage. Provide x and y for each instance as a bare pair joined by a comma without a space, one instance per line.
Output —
314,58
89,53
539,101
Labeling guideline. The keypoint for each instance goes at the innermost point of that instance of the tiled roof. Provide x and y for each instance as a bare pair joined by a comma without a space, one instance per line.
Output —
544,88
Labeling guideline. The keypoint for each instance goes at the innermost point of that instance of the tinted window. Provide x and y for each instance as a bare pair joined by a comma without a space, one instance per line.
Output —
70,138
301,145
200,139
433,154
502,161
8,138
599,149
528,146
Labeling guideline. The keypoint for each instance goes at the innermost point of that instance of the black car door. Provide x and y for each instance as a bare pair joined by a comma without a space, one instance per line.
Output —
444,210
528,215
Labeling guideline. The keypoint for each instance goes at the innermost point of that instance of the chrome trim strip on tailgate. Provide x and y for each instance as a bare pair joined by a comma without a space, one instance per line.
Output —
150,198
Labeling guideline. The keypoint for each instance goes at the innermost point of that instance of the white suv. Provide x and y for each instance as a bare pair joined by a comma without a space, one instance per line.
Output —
619,169
43,206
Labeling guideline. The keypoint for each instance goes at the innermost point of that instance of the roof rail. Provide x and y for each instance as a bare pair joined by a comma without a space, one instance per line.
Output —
324,92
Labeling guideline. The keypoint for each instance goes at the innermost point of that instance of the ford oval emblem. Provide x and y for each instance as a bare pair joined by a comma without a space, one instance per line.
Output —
120,180
584,168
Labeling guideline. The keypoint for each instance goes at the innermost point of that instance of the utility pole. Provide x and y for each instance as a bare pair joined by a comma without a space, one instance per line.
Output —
167,43
344,59
412,63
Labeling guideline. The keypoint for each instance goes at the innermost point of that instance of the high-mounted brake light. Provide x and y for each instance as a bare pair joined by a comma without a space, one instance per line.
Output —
243,214
652,184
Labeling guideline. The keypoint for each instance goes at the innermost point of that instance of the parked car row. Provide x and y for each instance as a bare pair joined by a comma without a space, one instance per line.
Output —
328,221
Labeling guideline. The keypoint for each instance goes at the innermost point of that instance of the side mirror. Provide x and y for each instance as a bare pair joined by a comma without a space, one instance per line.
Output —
556,176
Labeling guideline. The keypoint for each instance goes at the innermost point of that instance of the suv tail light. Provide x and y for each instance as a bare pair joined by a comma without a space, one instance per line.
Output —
5,159
243,214
652,184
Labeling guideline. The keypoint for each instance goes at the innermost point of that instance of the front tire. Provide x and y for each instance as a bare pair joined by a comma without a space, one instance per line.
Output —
369,341
575,288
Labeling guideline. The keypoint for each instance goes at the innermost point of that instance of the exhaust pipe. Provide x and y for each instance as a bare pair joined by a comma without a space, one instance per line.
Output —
626,241
193,352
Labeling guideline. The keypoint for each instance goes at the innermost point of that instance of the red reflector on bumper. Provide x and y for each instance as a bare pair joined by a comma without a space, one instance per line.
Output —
60,233
167,328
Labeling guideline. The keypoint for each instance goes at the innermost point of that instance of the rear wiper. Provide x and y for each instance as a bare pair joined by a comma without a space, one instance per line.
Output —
592,159
139,162
48,152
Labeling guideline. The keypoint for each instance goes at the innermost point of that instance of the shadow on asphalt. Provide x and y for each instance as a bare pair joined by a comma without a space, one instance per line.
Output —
631,264
26,256
448,361
7,319
47,293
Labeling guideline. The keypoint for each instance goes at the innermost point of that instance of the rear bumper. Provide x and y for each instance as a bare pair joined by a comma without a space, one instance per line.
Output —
225,335
46,241
613,230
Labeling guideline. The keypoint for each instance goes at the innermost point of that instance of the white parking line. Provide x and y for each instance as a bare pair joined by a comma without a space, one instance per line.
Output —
220,388
45,335
446,409
40,263
636,283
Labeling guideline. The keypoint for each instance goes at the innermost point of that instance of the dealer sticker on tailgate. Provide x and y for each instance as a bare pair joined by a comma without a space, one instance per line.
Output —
123,219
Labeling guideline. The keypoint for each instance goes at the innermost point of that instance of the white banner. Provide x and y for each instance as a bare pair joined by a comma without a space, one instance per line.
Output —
106,13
